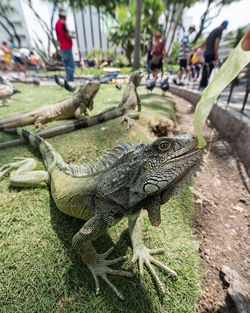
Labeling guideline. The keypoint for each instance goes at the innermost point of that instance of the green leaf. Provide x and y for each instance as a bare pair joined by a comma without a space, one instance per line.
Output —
237,60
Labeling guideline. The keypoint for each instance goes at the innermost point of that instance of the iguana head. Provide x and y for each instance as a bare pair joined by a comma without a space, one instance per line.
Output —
136,77
164,165
89,91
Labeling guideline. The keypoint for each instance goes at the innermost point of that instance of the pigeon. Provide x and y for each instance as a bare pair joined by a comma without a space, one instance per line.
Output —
59,80
118,85
6,90
69,86
151,85
36,80
104,80
164,85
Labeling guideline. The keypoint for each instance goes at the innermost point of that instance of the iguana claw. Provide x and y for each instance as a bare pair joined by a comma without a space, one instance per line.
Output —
100,268
143,254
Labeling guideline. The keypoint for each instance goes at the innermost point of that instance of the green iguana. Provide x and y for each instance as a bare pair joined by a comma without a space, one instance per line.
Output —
127,179
70,107
126,108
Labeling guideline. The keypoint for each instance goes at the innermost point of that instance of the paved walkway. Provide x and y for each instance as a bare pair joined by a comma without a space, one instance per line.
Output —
237,97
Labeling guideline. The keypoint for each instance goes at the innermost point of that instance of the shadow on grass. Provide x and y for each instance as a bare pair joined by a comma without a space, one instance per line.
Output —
80,278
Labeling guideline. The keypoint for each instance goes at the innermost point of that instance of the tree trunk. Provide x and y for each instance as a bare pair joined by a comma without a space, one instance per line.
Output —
3,14
136,64
203,20
128,52
176,21
7,31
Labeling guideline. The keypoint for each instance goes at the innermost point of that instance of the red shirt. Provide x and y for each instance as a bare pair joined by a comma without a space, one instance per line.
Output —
158,48
61,30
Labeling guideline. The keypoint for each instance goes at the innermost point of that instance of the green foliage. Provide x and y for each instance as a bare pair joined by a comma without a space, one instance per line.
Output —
239,35
97,56
40,272
120,61
123,33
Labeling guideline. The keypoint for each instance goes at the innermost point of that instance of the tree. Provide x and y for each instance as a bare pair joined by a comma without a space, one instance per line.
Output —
48,29
213,9
137,35
5,12
175,10
122,34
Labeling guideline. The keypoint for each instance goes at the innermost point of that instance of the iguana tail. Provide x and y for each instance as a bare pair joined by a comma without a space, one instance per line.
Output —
51,157
17,120
107,115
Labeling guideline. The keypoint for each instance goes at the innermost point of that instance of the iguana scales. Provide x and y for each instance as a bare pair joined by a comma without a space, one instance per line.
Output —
126,108
127,179
70,107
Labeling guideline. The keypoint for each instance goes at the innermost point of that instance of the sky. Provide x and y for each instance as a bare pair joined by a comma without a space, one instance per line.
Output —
237,14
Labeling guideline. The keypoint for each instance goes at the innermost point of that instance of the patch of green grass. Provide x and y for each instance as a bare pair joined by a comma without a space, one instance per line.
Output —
40,272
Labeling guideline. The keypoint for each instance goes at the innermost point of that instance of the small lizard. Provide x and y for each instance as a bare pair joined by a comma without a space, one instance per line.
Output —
125,180
71,107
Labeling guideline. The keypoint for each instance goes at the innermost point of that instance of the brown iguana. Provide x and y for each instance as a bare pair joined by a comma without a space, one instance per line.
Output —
126,108
127,178
64,109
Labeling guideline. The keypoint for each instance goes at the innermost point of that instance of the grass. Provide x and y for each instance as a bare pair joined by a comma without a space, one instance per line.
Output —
40,272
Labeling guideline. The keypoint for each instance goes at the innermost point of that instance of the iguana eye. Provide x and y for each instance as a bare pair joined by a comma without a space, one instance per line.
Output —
164,145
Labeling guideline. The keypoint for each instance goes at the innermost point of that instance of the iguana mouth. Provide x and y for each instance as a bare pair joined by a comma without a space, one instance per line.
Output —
191,151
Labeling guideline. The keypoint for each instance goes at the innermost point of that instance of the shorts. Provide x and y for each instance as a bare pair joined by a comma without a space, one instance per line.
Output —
19,60
183,63
157,67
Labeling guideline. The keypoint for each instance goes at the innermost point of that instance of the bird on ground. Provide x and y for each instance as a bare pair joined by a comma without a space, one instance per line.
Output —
69,86
118,85
151,85
36,80
59,80
164,85
6,90
104,80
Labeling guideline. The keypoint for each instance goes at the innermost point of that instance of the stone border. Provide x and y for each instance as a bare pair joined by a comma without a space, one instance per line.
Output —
230,123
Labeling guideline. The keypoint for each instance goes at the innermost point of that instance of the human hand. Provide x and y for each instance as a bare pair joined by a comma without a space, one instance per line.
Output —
245,44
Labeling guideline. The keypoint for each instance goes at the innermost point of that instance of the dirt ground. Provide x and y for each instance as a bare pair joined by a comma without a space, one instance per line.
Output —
221,221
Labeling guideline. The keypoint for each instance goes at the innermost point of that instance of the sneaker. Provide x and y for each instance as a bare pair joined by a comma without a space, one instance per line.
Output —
175,81
180,83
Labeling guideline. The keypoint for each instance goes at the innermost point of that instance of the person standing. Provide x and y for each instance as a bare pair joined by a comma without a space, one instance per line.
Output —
211,52
65,39
158,54
7,56
183,55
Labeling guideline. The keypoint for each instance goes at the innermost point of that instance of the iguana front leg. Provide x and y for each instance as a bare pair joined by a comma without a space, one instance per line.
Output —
24,174
143,254
78,113
138,102
97,263
129,117
40,121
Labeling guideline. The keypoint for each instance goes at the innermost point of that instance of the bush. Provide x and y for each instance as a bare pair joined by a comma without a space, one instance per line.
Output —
120,61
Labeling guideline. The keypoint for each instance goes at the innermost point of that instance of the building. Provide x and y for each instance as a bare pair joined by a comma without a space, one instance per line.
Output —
89,26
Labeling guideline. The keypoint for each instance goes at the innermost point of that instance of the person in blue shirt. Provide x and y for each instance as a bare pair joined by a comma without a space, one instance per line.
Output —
183,55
